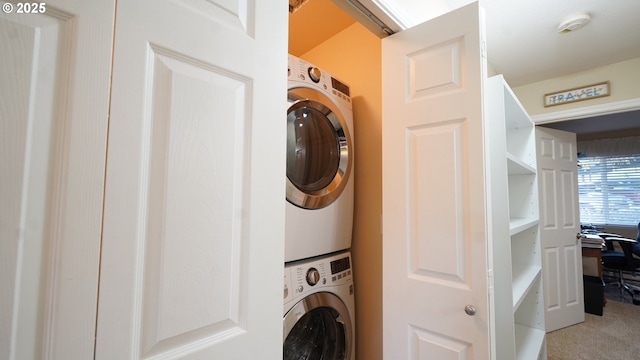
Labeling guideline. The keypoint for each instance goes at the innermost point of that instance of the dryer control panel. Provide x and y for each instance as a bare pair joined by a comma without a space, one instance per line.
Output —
305,72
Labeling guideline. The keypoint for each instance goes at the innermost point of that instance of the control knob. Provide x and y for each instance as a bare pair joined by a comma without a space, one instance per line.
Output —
313,276
314,74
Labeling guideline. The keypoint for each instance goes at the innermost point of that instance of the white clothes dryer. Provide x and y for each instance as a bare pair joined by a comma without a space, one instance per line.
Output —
319,207
319,309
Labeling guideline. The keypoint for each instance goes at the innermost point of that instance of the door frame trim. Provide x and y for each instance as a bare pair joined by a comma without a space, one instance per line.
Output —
587,111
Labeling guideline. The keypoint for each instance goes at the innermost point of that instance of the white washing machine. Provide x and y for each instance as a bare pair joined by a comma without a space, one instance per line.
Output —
319,207
319,309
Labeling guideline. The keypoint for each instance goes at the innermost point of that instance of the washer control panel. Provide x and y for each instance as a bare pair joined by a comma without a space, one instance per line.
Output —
303,277
302,71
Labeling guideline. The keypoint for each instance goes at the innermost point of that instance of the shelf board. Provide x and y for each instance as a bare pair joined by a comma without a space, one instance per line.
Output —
523,279
529,342
518,225
516,166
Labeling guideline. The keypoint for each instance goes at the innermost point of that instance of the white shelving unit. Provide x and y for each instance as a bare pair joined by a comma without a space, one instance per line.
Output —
517,301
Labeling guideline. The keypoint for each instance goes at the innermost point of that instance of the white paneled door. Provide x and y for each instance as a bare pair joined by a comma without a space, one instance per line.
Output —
192,252
434,245
54,105
559,225
191,223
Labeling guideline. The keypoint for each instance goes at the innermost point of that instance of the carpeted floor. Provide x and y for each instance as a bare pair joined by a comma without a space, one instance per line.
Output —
613,336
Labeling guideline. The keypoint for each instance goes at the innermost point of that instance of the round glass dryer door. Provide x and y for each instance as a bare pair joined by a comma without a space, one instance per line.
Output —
318,150
322,332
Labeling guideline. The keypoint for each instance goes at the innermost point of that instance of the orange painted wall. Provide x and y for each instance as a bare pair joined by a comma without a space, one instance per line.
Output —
354,56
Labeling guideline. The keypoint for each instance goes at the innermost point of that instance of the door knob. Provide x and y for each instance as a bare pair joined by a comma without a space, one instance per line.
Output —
580,237
470,310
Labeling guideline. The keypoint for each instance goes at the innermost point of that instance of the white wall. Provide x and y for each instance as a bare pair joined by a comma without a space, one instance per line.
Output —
624,78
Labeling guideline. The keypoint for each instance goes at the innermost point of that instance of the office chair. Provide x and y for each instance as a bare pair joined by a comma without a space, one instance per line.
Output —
636,247
620,262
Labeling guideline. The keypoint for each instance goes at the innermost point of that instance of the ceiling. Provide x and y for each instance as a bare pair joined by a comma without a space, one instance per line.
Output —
523,42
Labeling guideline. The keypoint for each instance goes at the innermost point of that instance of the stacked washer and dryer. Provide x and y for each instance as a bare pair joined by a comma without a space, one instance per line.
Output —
319,306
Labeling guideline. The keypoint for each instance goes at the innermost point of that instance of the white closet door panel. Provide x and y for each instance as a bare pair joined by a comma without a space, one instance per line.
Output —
54,82
194,205
441,147
435,246
194,234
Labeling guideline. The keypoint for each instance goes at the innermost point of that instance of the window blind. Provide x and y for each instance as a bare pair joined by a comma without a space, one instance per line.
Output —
609,189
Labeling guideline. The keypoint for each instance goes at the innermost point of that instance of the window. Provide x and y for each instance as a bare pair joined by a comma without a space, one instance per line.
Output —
609,189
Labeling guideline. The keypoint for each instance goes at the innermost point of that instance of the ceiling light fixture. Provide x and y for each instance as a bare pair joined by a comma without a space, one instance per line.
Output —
574,22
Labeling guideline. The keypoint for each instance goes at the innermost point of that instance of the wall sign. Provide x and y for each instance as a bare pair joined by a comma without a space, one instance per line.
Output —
577,94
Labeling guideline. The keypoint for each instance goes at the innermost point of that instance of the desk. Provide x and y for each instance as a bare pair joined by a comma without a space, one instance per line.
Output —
597,254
